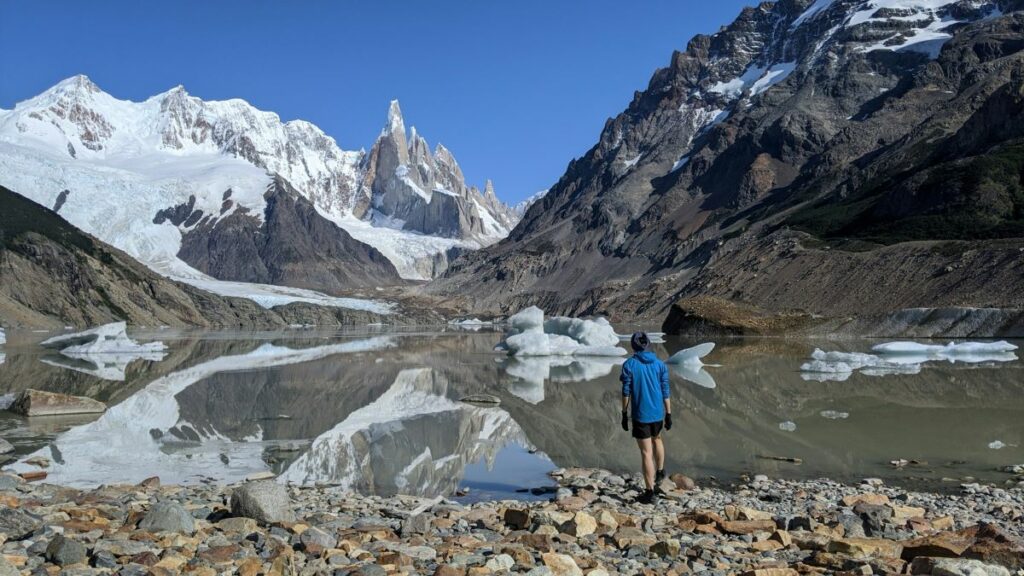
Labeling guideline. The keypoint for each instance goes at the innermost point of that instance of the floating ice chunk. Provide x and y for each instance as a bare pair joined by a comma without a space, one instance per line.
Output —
996,445
3,357
855,360
834,415
693,354
107,344
532,372
694,373
530,335
787,426
3,337
6,400
891,368
951,349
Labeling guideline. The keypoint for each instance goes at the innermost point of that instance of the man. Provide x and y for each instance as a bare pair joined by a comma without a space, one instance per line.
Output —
645,390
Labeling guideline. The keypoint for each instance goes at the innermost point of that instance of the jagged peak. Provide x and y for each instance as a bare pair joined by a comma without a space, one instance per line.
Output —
395,121
488,187
76,82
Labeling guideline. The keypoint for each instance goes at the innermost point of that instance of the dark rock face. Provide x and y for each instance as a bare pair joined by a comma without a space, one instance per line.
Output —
790,117
293,246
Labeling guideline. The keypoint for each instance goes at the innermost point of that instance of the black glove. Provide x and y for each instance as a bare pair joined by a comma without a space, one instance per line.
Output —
625,421
668,421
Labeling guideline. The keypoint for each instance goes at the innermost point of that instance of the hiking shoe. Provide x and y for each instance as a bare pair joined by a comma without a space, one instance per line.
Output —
648,497
659,476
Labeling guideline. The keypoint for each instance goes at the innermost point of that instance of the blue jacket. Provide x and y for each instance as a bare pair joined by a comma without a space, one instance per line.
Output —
645,380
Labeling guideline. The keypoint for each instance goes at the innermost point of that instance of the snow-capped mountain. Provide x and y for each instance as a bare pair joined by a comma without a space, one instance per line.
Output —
112,166
523,206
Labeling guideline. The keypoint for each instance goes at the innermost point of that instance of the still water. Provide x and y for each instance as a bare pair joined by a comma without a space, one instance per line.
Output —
381,413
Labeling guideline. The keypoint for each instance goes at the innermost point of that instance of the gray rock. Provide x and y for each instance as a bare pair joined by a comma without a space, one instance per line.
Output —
18,524
9,481
316,539
418,524
65,551
168,517
955,567
8,569
265,501
5,447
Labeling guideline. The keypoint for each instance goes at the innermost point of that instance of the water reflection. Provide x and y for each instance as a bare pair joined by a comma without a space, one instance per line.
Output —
383,414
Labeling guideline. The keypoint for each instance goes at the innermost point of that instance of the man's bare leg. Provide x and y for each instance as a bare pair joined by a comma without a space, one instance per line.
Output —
659,452
647,460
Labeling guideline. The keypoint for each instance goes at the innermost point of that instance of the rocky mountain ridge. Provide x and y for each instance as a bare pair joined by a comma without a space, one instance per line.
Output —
842,119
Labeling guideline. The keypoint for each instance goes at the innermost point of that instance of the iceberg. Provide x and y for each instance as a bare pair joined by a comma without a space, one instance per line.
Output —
954,352
902,358
3,337
529,334
787,426
693,373
834,415
692,355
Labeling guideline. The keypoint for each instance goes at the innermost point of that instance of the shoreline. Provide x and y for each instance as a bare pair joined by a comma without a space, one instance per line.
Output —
590,525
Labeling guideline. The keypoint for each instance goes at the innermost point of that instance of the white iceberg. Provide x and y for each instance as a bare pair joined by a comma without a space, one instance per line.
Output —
108,340
787,426
823,367
692,355
969,352
834,415
530,335
3,337
996,445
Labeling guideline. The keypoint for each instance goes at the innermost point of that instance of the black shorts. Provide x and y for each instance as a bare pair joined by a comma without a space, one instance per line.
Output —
643,430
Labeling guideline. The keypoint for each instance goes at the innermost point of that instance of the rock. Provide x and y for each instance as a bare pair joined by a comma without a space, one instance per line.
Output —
450,570
17,524
955,567
417,524
64,551
237,525
903,513
561,564
940,544
582,524
683,482
874,516
865,498
264,475
771,572
264,501
746,526
866,547
666,548
168,517
9,481
500,562
481,399
151,482
5,447
630,536
39,403
8,569
316,541
993,545
517,518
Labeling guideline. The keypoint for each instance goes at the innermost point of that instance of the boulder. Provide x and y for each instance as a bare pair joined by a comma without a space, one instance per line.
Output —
168,517
39,403
517,519
266,502
17,524
65,551
747,526
940,544
582,524
561,564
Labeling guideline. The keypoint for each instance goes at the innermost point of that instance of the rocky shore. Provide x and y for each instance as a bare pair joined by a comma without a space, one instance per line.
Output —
591,524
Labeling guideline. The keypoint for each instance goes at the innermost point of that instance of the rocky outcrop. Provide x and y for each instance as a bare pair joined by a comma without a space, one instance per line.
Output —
414,189
832,118
290,245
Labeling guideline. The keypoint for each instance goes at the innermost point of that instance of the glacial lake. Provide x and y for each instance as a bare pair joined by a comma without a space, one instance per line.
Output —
380,412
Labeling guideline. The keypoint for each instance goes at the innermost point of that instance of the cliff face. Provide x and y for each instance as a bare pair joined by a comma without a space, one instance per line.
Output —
853,134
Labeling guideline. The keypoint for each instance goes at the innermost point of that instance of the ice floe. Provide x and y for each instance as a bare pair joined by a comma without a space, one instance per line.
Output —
901,358
3,337
834,415
529,334
692,355
787,426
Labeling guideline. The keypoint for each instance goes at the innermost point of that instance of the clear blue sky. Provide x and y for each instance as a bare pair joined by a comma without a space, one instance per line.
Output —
515,89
